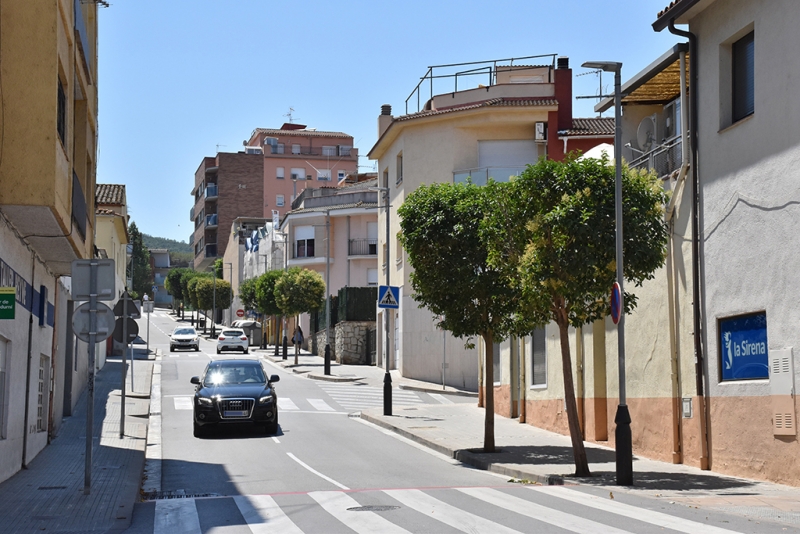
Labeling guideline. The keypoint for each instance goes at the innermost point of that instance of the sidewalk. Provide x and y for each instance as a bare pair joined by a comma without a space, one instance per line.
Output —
49,495
527,453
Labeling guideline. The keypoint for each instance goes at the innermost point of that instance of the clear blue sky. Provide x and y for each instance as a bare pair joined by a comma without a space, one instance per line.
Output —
179,77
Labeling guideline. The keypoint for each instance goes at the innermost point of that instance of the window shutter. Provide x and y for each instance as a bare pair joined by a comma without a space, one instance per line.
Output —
744,77
781,382
539,354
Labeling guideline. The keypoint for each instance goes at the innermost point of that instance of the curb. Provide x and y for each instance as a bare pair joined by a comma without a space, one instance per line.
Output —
334,378
428,389
466,456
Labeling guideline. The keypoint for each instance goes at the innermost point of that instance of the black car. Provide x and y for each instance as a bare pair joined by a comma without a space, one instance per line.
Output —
235,391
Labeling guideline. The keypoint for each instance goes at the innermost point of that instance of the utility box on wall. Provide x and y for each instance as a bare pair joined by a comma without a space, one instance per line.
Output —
781,382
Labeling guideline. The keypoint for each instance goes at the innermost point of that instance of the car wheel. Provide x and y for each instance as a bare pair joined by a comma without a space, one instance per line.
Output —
198,430
272,428
197,348
244,351
172,348
219,351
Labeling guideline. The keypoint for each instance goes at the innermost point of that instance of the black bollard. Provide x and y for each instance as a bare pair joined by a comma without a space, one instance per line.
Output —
285,347
327,359
387,394
624,446
264,341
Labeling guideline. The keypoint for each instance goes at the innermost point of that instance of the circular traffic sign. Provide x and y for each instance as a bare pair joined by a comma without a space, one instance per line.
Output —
239,313
616,303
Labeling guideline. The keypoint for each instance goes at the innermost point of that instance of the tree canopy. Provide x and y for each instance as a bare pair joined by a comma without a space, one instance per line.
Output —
247,294
207,298
452,277
140,263
265,292
299,291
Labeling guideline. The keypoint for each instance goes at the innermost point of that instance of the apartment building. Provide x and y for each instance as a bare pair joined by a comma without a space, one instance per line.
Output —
47,214
111,240
490,127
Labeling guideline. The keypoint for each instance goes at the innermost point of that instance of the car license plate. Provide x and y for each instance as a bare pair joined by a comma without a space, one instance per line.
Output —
235,413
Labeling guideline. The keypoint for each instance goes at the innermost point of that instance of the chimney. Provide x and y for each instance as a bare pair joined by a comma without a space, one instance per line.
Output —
563,93
384,119
562,63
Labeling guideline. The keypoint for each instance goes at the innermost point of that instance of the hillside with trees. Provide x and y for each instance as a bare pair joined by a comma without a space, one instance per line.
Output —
180,253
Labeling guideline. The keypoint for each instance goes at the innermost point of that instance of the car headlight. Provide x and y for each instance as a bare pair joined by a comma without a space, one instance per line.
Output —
205,401
266,399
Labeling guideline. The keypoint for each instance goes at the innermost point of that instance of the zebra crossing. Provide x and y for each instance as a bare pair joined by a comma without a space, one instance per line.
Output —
500,510
355,397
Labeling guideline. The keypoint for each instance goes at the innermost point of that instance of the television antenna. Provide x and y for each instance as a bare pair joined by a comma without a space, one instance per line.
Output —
291,110
599,95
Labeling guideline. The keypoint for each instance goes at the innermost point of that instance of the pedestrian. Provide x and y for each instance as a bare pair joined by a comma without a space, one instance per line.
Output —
297,339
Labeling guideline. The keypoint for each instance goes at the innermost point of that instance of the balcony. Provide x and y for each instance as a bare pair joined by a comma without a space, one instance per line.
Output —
326,151
480,175
664,159
211,221
191,214
211,192
363,247
211,251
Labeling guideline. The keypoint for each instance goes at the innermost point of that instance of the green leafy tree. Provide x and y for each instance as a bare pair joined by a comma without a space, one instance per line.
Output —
247,294
299,291
218,263
140,263
265,297
173,284
212,295
554,228
452,277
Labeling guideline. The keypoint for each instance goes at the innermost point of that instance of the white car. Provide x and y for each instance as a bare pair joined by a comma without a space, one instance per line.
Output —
232,339
184,337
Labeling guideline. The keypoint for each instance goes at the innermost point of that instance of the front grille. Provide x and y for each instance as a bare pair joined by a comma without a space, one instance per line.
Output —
236,408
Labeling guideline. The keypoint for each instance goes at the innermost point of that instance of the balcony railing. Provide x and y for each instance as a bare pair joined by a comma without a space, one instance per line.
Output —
664,159
480,175
191,214
211,192
211,251
300,150
211,220
78,205
363,247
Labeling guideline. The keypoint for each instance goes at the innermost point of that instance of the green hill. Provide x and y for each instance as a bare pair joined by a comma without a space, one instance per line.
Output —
163,242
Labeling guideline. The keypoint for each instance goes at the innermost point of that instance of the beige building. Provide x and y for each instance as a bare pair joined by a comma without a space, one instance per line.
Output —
47,208
515,116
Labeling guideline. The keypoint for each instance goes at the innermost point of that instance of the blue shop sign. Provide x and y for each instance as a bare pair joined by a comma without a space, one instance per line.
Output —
743,341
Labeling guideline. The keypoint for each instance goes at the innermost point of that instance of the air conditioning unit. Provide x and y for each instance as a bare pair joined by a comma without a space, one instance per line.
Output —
540,133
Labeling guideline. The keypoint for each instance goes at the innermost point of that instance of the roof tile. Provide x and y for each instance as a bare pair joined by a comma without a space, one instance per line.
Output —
590,126
113,194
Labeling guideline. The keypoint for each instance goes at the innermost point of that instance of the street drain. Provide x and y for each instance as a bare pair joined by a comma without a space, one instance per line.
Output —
373,508
161,495
52,487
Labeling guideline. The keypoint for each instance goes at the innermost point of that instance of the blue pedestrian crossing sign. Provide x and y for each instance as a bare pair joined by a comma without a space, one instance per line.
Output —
388,297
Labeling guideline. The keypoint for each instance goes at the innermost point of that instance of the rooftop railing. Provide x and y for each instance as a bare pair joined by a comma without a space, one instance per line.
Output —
664,159
481,175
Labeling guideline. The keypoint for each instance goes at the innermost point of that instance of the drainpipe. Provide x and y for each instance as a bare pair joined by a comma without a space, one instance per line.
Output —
28,372
53,356
698,331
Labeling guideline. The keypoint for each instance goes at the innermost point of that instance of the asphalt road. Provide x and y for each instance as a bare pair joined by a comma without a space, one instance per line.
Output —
327,471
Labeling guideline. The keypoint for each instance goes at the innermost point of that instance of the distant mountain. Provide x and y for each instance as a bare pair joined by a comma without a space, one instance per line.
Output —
163,242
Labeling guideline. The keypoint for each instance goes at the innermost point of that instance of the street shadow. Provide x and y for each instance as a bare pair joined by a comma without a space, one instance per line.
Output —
654,480
543,455
238,431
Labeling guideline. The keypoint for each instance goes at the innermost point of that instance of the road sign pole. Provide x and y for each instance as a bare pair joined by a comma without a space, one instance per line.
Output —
87,479
148,332
124,362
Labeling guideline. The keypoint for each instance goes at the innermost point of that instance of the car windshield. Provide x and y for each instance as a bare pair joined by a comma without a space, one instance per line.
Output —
184,332
232,333
225,374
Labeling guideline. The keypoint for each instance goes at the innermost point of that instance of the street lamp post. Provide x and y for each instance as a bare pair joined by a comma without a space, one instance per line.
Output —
622,419
230,313
327,367
214,307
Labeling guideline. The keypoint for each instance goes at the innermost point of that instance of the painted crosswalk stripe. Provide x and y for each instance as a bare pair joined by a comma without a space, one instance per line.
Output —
337,503
541,513
440,398
286,404
632,512
450,515
320,405
264,516
183,403
178,516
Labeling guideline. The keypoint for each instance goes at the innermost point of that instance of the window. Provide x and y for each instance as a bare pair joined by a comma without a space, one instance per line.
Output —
324,174
329,151
743,77
344,150
372,277
399,169
279,173
3,367
385,178
279,200
61,119
496,368
43,393
744,351
278,149
304,239
538,358
295,149
298,173
342,175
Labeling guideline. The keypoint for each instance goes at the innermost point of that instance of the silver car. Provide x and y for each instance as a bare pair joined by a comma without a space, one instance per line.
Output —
184,337
232,339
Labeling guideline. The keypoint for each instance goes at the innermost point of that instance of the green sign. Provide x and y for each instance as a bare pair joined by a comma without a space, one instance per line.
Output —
8,302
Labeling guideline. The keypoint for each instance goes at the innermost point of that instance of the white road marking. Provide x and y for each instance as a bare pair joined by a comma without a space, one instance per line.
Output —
296,459
275,439
320,405
448,514
337,503
286,404
538,512
176,516
183,403
264,516
440,398
632,512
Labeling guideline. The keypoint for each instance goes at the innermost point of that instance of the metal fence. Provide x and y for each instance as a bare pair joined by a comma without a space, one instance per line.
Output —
363,247
664,159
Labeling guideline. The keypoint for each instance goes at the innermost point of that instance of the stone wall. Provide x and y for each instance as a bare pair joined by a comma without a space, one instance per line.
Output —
351,341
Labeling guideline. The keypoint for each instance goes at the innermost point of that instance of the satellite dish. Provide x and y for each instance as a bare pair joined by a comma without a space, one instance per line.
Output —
646,133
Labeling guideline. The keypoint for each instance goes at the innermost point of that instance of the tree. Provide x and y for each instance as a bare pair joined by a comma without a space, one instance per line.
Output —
173,284
265,297
555,228
247,294
452,277
299,291
212,294
140,262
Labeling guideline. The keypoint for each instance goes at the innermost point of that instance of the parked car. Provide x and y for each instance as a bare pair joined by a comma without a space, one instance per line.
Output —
235,391
232,339
184,337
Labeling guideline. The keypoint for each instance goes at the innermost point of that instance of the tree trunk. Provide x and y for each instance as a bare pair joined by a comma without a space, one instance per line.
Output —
480,381
578,450
488,431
